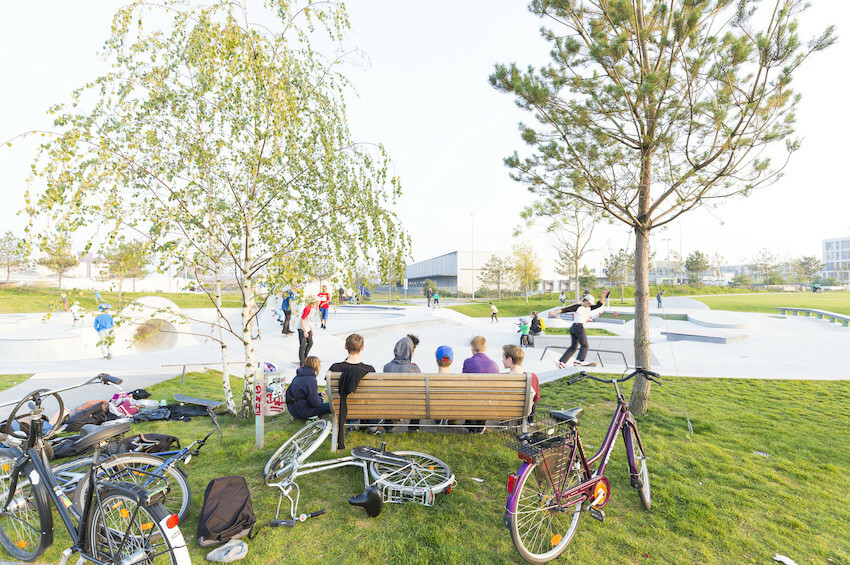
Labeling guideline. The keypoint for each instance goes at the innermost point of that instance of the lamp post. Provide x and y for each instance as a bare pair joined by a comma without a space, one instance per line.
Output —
472,251
668,257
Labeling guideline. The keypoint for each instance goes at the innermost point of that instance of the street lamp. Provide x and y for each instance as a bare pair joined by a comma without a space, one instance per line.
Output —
668,258
472,251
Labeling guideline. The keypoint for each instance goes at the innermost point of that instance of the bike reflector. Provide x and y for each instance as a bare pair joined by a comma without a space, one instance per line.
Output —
511,483
172,521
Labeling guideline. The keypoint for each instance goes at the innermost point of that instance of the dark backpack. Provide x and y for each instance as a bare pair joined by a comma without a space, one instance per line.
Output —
144,443
227,512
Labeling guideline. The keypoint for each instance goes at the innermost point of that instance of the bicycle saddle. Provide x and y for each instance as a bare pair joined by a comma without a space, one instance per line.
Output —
569,417
91,435
370,500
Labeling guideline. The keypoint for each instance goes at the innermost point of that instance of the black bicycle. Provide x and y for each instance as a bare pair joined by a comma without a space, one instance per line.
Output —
119,523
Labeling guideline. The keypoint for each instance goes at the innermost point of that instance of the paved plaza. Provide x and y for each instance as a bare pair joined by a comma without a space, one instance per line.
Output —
775,347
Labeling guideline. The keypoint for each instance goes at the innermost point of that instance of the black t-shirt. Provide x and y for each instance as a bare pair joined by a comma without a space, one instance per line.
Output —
345,365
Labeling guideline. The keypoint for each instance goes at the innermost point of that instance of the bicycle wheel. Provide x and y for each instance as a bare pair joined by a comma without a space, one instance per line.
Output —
136,468
120,530
420,472
26,525
541,528
640,480
70,473
296,449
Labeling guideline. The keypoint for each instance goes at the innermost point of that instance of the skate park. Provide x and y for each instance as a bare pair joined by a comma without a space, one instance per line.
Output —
764,346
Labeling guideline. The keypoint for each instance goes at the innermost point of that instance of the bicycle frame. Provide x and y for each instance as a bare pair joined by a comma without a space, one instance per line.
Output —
573,450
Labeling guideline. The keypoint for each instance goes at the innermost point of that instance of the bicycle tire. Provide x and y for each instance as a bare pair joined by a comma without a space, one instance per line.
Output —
119,528
540,530
644,490
121,467
26,526
295,450
426,472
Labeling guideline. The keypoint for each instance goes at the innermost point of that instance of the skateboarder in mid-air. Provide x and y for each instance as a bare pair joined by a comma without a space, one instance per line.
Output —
581,314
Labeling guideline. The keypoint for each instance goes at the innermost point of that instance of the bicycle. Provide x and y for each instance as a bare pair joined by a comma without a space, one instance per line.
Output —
394,477
118,524
548,493
144,469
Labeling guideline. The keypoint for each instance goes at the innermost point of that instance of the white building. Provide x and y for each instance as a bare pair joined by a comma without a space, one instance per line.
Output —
836,259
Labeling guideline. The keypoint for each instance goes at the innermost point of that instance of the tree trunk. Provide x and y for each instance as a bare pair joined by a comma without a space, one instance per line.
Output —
225,368
60,280
120,288
247,301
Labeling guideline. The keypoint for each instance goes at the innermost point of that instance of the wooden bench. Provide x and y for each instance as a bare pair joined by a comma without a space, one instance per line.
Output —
433,396
821,314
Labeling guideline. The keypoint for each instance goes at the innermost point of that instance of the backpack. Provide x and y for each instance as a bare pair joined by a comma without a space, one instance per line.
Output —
144,443
227,512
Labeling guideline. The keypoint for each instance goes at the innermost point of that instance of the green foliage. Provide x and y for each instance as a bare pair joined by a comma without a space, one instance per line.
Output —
765,265
59,256
428,284
123,259
825,281
587,279
525,266
695,264
742,280
838,302
12,253
807,268
619,266
497,272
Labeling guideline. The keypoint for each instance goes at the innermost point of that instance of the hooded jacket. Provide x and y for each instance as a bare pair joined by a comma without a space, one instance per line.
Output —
303,393
401,363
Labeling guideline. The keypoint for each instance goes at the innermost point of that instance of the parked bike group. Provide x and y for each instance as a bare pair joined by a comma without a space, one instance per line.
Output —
126,508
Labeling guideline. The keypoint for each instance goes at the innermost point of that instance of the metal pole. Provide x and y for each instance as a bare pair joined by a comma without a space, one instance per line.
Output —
472,252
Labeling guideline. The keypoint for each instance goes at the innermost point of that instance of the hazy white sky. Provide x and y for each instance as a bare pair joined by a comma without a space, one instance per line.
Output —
424,94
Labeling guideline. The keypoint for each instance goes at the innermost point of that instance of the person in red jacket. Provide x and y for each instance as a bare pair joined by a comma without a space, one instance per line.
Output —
324,304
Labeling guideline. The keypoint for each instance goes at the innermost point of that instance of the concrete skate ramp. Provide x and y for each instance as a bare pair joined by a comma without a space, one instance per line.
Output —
152,324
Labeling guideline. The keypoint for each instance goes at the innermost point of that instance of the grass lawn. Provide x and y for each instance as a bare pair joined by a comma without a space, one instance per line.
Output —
8,381
34,299
716,498
838,302
509,307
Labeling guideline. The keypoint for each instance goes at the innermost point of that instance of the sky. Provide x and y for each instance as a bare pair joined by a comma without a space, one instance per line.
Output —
422,91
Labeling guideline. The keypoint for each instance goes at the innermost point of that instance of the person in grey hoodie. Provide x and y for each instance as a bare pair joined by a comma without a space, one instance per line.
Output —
402,363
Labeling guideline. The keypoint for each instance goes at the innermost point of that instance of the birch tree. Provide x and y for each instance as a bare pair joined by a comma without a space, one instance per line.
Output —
223,142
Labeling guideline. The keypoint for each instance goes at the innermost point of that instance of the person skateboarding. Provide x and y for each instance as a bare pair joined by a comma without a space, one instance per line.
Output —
581,315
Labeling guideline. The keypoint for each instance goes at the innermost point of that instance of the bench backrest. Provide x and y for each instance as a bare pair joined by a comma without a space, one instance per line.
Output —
435,396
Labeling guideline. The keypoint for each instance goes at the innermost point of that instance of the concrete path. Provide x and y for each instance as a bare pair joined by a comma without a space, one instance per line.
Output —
777,347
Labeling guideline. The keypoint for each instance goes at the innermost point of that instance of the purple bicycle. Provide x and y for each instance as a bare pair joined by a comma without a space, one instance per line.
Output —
556,482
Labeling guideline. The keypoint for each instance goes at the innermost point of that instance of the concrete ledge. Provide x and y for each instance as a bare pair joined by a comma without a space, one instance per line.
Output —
706,336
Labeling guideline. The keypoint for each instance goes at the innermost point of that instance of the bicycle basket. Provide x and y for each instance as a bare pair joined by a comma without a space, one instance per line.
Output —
545,434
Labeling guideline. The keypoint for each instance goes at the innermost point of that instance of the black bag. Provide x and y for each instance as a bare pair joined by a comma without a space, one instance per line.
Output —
144,443
92,412
227,512
140,394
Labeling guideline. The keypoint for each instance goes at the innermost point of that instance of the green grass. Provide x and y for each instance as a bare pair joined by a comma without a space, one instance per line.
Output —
715,501
8,381
509,307
588,331
36,300
838,302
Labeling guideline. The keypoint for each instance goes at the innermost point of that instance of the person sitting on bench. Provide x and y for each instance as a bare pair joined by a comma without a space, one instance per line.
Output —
302,397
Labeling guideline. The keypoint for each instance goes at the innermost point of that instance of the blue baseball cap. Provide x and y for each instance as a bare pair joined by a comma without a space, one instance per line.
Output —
445,353
104,306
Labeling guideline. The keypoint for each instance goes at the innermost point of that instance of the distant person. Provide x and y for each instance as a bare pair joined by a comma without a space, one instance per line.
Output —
536,327
324,305
103,325
581,315
436,299
403,363
341,293
659,296
494,313
430,294
302,396
478,363
525,331
562,298
352,371
98,299
76,311
305,333
512,358
286,308
64,301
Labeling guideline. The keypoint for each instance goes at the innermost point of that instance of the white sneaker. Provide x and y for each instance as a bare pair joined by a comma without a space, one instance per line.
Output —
583,363
561,365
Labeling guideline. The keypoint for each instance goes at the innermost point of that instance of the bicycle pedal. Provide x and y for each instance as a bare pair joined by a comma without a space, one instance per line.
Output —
65,555
597,513
635,482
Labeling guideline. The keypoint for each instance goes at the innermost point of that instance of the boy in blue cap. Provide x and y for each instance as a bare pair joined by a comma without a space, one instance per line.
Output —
103,325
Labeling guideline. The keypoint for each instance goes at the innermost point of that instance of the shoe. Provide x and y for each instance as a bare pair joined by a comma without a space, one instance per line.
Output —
109,356
561,365
585,364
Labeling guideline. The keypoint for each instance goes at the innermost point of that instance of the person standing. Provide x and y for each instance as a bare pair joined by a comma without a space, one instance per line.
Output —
103,325
478,363
302,396
341,293
581,315
352,370
305,333
659,296
494,313
403,363
324,305
562,298
286,308
512,358
76,312
430,294
64,298
436,299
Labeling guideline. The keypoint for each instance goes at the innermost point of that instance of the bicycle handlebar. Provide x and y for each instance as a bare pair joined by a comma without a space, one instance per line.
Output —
649,375
103,378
